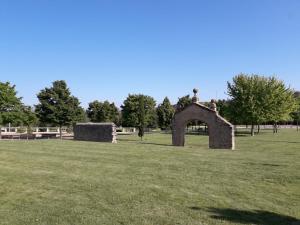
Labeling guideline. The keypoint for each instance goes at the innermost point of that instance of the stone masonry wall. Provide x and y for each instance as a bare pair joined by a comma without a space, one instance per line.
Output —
101,132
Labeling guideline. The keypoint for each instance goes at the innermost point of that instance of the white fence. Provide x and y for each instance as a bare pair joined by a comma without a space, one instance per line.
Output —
237,127
24,130
33,133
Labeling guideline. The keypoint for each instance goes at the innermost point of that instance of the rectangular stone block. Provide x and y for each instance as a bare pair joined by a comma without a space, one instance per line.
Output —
100,132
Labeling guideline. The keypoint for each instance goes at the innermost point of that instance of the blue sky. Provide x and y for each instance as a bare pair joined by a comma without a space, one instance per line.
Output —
106,49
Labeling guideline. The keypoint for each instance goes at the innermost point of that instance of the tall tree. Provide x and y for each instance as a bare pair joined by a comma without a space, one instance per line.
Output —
57,106
246,102
131,108
10,105
165,113
279,101
29,118
256,99
296,114
103,112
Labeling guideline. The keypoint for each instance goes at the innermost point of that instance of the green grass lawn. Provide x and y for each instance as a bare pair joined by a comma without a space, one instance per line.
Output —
150,182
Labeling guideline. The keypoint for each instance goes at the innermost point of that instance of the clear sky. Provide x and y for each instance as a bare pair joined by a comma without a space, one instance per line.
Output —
106,49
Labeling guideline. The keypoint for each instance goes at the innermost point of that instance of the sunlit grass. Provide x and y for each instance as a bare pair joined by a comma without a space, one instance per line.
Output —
151,182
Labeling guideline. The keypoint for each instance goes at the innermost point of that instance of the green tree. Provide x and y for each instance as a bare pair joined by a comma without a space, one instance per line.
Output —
29,118
183,102
81,115
10,105
296,114
245,104
57,106
131,108
223,108
257,99
165,113
279,101
103,112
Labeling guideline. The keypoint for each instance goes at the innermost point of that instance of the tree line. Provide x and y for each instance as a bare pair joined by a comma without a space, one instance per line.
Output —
253,100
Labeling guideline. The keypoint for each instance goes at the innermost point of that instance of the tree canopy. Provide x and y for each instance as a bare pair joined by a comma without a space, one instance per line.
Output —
257,99
184,101
29,116
296,113
103,112
223,108
131,109
57,106
165,113
11,107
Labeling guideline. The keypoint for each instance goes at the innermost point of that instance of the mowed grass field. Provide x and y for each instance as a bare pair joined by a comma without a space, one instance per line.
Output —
150,182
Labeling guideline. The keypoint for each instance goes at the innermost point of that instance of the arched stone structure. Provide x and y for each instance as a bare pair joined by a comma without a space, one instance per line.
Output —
221,132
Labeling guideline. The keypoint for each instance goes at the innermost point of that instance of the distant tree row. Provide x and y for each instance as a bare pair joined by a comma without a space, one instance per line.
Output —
254,100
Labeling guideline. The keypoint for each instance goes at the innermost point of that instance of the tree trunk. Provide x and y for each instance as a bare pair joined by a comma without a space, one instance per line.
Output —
252,129
60,132
0,133
258,128
141,133
275,129
297,127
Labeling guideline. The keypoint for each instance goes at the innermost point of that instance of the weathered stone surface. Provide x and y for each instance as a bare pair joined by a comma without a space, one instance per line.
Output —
101,132
221,132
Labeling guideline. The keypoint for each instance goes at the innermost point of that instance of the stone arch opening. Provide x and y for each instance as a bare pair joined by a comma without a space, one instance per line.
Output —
196,127
196,133
221,132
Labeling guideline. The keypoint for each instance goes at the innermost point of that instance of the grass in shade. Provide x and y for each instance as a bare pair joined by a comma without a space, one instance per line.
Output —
151,182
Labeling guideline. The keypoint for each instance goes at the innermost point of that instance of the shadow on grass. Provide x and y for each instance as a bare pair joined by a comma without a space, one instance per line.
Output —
263,164
127,140
279,141
196,134
143,143
257,217
248,133
148,143
178,147
242,135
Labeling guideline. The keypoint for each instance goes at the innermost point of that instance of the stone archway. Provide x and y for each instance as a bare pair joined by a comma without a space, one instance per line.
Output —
221,132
